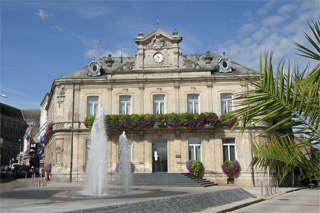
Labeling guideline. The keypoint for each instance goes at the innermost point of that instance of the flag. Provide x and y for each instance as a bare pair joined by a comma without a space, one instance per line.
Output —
157,21
121,59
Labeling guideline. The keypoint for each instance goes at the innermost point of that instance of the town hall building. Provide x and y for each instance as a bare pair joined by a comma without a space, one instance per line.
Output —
158,79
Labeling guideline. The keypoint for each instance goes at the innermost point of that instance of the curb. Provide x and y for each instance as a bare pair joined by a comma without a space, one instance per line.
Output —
257,201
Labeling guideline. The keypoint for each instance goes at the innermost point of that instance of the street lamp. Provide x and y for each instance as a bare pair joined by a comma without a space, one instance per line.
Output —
20,145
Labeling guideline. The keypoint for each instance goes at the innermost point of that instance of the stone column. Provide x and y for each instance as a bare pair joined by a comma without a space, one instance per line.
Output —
141,101
176,90
209,89
109,99
76,107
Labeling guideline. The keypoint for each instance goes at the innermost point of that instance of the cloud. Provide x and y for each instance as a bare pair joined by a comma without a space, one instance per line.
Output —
287,8
85,41
247,28
272,33
43,14
93,53
272,20
58,27
265,9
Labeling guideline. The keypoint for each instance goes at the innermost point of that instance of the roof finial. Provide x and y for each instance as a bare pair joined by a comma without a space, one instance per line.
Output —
175,32
140,34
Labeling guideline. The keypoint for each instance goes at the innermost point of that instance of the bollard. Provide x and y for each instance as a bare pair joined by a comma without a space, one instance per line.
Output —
38,183
261,188
267,191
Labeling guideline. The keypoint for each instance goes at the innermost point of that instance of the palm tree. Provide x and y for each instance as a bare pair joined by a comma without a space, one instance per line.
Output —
291,98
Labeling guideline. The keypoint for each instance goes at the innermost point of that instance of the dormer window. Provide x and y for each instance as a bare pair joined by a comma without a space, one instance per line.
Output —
94,68
224,64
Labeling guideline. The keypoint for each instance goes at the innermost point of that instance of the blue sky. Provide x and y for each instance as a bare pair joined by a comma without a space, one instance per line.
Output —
45,40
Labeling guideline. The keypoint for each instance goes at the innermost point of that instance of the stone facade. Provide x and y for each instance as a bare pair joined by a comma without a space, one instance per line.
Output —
184,83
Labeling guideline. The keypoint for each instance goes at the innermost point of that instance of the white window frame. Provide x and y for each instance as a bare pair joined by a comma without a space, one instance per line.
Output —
229,145
194,145
158,104
226,101
125,105
193,102
94,105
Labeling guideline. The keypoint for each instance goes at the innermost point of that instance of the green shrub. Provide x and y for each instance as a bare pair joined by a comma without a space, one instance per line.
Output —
197,168
89,121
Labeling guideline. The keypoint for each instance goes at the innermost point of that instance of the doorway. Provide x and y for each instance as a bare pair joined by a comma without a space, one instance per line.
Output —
159,155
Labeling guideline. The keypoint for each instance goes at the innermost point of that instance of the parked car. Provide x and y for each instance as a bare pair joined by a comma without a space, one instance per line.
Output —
12,166
21,171
3,172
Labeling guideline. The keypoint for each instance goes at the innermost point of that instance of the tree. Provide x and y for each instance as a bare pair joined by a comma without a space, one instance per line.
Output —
291,98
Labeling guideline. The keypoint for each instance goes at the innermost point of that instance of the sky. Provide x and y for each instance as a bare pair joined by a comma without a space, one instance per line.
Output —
45,40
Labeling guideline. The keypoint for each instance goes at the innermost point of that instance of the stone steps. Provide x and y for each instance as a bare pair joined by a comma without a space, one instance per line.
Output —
167,179
201,181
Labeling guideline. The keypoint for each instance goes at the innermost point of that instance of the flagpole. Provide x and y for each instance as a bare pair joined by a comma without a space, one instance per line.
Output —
157,23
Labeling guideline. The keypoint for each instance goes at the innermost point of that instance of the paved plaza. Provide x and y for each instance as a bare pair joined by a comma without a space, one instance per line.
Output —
66,197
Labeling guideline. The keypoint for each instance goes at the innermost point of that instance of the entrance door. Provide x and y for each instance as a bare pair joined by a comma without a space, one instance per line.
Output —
159,155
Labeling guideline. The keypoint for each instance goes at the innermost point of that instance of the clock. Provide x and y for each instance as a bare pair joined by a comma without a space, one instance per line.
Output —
158,57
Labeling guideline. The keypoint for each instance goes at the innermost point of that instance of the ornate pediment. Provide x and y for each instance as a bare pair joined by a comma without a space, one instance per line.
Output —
157,50
158,39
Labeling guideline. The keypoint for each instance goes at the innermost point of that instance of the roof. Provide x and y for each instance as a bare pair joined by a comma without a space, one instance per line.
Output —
189,62
10,111
156,41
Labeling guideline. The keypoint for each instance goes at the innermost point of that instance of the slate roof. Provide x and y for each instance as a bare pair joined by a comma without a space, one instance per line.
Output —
117,66
10,111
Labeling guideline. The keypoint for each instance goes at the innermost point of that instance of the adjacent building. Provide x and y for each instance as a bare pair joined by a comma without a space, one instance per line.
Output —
13,127
159,79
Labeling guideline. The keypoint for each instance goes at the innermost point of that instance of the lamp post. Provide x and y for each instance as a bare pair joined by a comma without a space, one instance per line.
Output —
1,144
19,151
20,145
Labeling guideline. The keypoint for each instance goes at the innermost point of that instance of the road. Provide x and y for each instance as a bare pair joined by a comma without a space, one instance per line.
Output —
11,183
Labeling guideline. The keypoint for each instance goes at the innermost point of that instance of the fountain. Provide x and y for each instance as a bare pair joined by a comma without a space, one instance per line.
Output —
124,162
96,167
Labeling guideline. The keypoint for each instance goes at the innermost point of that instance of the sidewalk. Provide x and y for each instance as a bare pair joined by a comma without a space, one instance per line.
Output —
63,197
256,191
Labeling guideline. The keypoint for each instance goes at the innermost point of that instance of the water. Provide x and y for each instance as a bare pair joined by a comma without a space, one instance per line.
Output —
125,162
96,167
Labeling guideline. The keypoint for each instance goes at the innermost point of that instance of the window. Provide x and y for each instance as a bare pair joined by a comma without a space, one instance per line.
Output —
229,147
125,105
226,103
195,149
92,105
193,103
158,104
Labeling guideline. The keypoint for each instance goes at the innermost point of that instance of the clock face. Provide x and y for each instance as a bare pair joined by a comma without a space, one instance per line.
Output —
158,57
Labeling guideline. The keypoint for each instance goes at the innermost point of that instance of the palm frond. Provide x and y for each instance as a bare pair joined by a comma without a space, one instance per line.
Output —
285,156
306,52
